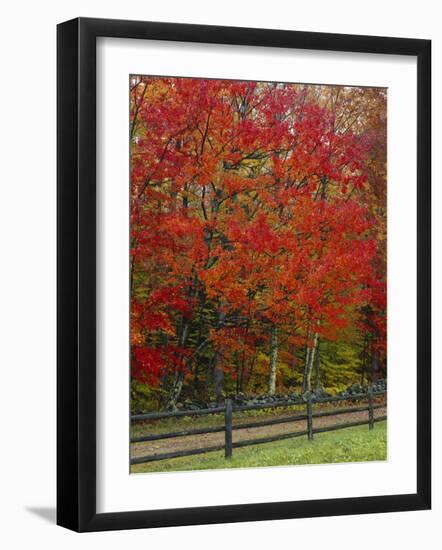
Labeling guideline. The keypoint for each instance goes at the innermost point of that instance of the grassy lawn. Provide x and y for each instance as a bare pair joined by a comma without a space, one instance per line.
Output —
346,445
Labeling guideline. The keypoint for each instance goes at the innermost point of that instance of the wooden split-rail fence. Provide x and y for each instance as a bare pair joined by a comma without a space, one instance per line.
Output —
228,409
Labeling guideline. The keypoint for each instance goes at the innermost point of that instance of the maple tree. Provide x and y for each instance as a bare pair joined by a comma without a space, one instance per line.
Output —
257,232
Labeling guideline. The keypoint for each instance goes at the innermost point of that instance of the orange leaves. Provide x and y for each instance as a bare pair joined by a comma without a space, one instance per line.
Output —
255,200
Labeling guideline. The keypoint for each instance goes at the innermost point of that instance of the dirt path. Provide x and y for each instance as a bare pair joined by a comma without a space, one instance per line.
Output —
206,440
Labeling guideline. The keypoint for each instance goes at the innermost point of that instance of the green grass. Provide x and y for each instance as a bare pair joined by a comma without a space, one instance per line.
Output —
346,445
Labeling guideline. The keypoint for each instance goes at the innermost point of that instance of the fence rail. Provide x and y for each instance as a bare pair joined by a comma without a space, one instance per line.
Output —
228,427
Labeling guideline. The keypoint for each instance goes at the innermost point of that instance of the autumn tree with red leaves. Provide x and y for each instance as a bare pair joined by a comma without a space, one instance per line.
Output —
257,234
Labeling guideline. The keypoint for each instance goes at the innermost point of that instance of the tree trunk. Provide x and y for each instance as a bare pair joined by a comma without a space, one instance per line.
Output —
218,378
374,365
317,369
177,384
310,361
364,359
306,364
175,391
294,361
202,301
273,359
217,372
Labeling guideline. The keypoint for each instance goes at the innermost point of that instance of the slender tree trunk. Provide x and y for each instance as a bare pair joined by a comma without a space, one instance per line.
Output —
273,359
177,384
317,368
202,300
238,370
243,357
217,372
294,361
306,364
374,365
218,377
250,373
310,361
364,359
175,391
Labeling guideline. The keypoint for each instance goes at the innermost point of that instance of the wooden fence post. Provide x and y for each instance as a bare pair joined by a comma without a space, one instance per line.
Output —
228,429
309,418
370,408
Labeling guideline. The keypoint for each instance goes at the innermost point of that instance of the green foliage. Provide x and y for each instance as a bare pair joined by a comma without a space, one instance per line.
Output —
145,397
340,365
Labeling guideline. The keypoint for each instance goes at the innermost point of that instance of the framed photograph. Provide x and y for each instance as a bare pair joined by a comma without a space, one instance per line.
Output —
243,274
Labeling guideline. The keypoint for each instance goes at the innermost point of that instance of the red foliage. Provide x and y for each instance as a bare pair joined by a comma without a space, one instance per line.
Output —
244,196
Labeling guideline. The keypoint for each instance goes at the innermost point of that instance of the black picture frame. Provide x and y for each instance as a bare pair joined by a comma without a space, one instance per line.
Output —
76,274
